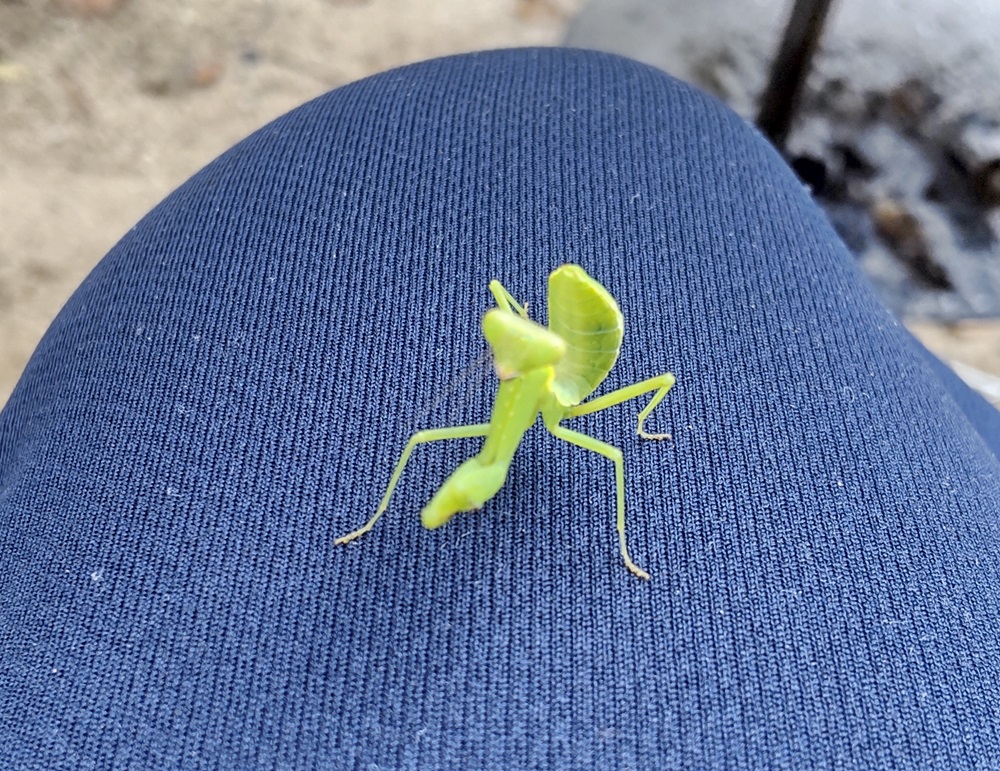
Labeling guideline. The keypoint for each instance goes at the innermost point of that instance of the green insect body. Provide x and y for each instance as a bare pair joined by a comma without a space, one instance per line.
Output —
547,371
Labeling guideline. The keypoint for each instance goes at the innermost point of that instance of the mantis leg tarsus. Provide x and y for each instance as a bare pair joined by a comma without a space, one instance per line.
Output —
421,437
355,533
635,569
666,382
615,456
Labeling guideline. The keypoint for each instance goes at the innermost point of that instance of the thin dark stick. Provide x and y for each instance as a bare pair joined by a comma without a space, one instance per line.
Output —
790,68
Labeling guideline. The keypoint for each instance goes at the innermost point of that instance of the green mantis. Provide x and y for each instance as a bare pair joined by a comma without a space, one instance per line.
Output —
547,371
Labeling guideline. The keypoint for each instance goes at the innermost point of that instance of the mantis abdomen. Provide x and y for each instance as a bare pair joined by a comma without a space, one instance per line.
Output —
481,477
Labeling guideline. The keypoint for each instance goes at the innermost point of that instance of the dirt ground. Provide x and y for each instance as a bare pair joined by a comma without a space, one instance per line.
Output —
107,105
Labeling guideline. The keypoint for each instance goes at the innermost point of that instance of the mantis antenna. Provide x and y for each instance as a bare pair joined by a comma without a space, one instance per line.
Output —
543,370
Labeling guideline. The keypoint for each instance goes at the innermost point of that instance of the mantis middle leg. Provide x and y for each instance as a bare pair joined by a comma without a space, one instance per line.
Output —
421,437
662,382
615,456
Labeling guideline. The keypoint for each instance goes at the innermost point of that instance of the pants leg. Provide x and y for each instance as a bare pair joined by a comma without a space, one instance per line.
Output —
229,389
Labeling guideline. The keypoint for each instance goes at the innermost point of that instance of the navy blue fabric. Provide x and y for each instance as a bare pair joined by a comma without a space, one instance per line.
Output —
230,388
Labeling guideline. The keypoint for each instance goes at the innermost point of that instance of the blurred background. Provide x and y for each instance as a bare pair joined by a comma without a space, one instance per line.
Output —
107,105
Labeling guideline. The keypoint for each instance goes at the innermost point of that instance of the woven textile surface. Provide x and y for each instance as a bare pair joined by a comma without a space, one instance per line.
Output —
229,390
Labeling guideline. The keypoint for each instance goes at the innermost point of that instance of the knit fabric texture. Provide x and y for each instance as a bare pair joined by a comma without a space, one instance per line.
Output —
230,388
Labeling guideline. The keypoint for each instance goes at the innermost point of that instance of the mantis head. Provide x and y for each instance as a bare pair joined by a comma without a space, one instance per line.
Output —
467,489
520,345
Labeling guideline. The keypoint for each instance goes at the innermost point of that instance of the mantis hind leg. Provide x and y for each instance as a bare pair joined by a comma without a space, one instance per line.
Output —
421,437
615,456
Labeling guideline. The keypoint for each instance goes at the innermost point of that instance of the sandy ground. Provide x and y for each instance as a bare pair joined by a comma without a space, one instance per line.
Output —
107,105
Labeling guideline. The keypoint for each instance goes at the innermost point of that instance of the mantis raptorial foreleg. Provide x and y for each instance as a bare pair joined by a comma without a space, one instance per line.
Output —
505,300
615,456
662,382
421,437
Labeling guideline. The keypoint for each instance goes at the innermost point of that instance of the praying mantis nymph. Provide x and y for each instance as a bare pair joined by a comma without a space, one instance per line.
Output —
542,370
